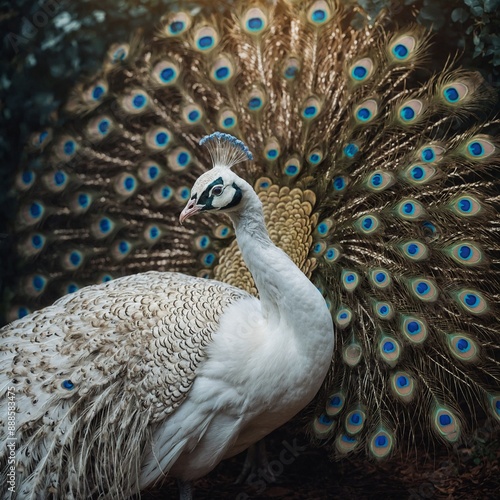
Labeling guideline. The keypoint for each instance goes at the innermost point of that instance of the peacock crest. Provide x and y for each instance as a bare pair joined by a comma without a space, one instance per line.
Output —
380,185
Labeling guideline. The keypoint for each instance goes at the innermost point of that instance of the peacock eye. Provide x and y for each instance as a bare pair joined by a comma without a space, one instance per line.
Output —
217,190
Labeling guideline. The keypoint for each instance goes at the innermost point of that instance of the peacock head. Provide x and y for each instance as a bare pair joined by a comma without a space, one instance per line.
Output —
219,188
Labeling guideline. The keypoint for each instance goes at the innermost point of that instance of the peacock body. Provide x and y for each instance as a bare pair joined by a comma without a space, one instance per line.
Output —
122,383
377,179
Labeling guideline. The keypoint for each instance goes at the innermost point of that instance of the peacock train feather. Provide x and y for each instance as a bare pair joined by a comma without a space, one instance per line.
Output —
379,180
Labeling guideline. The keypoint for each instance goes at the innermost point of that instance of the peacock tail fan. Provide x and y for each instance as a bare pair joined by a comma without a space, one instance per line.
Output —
380,184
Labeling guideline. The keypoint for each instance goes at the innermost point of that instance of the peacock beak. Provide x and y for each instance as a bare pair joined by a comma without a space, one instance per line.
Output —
190,209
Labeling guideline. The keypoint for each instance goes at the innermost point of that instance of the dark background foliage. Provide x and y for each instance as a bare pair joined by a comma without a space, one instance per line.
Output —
48,44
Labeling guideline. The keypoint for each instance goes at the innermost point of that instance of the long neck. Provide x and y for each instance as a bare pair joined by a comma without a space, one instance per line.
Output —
287,296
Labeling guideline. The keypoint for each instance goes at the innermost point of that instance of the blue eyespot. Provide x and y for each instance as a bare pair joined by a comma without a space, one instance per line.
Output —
339,183
38,282
222,73
348,439
323,228
417,172
154,232
412,249
69,147
367,222
465,252
355,419
336,401
75,258
103,126
22,312
161,138
193,115
359,72
27,177
463,345
153,172
364,114
97,92
291,72
203,242
139,101
451,94
205,42
400,51
318,15
228,122
445,419
314,158
332,254
407,113
389,346
36,210
120,54
309,111
176,26
255,24
67,384
465,205
37,240
428,154
59,178
105,225
424,289
384,310
472,301
311,108
272,153
183,158
123,247
209,259
325,419
167,75
408,208
255,103
413,327
129,183
475,149
292,168
43,135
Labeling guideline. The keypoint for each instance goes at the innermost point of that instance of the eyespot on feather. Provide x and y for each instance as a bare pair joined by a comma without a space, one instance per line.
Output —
206,38
361,70
227,119
254,21
222,70
402,48
176,24
319,13
366,111
165,73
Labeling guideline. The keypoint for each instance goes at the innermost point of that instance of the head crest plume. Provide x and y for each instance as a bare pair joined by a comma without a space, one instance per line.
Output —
225,150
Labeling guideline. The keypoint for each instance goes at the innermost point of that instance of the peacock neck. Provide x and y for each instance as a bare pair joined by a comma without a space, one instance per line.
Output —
289,301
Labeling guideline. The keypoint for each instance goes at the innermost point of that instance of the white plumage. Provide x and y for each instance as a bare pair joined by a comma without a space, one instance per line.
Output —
121,383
